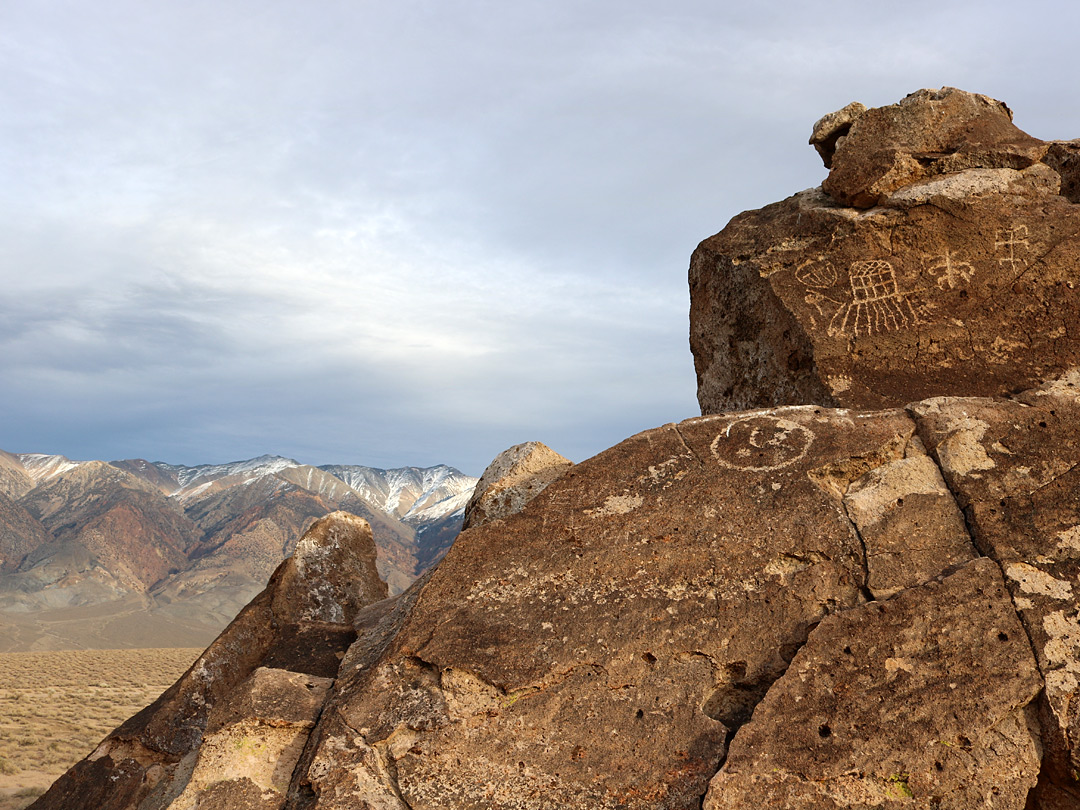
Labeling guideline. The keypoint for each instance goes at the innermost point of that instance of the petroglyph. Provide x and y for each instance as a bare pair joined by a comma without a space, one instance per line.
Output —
877,304
761,443
1009,240
816,275
617,505
951,272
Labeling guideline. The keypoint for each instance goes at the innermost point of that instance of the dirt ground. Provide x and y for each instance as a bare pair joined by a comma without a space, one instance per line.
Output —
55,707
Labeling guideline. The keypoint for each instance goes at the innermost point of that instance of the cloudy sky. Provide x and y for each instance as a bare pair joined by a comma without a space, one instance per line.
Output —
394,233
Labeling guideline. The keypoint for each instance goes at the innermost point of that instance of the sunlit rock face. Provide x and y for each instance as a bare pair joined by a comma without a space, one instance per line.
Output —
251,699
797,606
936,259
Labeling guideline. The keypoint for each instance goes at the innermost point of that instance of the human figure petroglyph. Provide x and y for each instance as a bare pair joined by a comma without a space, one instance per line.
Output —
876,304
1010,239
761,443
951,272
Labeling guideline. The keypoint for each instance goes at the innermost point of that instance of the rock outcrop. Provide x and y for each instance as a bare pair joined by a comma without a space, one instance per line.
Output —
234,725
516,476
798,606
937,259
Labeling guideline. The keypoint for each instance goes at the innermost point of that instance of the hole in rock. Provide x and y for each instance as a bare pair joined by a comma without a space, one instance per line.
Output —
732,704
1003,636
639,714
824,731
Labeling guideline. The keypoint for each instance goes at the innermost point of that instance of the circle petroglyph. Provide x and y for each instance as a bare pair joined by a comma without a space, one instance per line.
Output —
761,443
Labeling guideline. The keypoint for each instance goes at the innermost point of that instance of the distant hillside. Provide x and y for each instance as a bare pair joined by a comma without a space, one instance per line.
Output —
139,553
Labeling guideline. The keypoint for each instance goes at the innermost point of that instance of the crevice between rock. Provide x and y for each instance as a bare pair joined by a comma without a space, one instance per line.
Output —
689,449
988,554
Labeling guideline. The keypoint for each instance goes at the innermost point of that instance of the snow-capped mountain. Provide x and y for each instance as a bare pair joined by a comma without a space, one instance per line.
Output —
406,490
194,544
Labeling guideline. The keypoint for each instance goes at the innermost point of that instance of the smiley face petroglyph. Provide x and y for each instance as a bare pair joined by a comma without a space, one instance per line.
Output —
761,443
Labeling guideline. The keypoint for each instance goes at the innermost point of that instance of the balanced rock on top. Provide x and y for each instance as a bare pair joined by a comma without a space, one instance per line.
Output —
937,258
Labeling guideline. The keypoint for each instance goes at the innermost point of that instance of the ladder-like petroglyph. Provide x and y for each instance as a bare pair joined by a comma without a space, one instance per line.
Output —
1009,241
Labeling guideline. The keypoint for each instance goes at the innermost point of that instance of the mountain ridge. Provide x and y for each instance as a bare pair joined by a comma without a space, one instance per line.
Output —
192,543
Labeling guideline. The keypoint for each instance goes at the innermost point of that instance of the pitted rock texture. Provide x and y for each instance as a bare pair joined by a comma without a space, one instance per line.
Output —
596,649
921,701
1014,468
516,476
958,281
149,760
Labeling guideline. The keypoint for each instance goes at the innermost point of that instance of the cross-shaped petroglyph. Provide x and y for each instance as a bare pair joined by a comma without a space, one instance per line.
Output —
1010,239
951,272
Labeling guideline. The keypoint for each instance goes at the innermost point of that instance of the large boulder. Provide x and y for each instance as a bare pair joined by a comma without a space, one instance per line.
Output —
600,647
300,624
872,153
516,476
959,280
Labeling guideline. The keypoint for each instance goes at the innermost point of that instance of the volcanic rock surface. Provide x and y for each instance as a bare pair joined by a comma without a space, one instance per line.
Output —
799,606
938,258
238,720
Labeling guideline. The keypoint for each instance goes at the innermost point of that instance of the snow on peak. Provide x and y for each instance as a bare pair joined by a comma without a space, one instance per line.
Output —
251,468
404,490
41,466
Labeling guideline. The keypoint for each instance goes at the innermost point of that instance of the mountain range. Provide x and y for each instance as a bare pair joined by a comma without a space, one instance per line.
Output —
139,553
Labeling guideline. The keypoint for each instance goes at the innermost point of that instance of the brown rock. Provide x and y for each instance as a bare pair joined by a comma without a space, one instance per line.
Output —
254,739
919,701
959,282
1013,466
832,127
595,649
156,752
909,524
1064,158
930,132
331,574
516,476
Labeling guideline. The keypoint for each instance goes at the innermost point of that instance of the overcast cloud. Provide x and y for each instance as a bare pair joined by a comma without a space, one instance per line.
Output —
411,233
